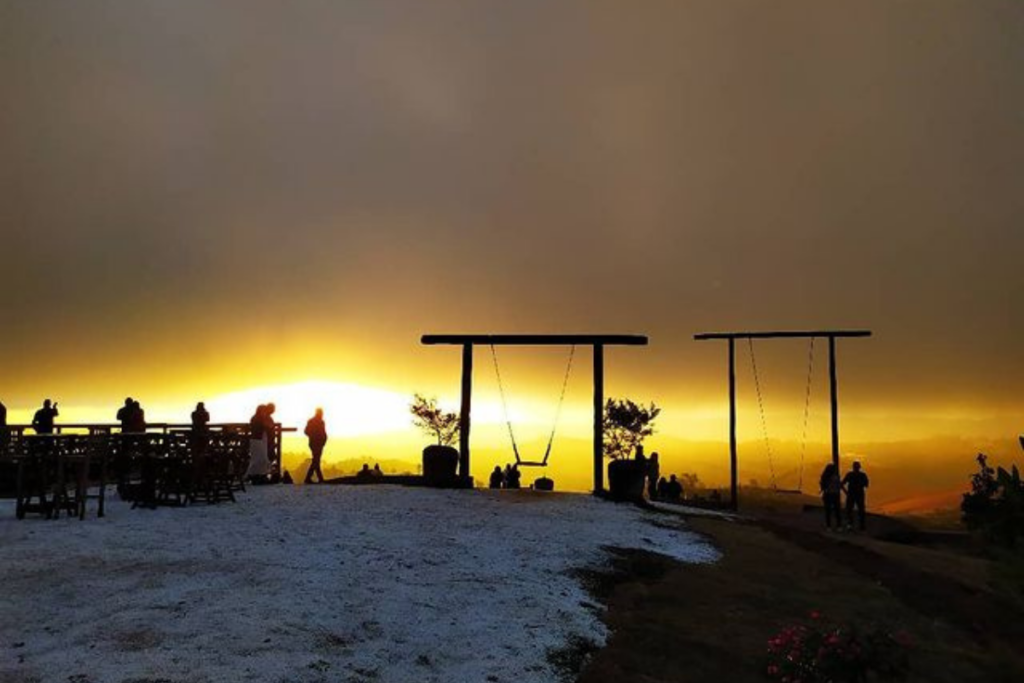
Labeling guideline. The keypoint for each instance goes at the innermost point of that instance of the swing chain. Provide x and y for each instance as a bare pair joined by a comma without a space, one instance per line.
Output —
760,406
504,404
558,411
807,411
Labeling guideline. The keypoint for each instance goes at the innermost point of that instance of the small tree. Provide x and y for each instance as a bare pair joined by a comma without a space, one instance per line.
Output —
626,425
995,504
432,420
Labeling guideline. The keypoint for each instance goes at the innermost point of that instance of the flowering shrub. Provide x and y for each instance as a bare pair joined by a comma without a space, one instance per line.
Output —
825,652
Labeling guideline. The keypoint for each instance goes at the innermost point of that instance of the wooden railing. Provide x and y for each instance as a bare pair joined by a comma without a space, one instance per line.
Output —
100,428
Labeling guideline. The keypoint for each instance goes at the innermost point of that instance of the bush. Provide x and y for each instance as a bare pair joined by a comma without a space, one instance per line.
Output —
995,505
825,652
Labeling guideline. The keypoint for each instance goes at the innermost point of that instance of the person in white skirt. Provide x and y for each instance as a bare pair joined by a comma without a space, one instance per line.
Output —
259,440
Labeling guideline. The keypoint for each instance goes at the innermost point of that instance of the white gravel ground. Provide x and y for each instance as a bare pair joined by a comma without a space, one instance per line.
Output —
296,584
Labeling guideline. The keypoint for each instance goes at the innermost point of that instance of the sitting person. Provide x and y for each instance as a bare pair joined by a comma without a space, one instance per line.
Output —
512,481
662,489
497,478
377,473
364,473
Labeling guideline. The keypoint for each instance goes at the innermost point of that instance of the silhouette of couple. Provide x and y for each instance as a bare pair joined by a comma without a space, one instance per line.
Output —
509,479
132,417
854,484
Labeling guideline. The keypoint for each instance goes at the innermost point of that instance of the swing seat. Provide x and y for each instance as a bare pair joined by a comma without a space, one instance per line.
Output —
531,463
788,492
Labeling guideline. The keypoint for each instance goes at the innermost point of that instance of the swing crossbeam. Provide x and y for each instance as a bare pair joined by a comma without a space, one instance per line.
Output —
597,341
731,337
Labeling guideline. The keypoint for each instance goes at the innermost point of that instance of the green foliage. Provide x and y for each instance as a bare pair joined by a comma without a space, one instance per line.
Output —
432,420
995,505
626,425
825,652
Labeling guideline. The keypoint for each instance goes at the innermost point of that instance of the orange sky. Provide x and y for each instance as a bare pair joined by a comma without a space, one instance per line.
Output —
201,200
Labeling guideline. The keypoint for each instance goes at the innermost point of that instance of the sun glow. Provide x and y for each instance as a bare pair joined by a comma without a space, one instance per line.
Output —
351,409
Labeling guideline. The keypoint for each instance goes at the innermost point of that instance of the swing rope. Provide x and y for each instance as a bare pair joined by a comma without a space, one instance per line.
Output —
807,412
504,404
760,406
558,411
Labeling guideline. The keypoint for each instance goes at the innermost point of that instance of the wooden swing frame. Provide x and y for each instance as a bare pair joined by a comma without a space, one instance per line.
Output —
596,341
731,337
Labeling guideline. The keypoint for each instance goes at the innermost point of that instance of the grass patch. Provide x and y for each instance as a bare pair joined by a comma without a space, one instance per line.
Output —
674,622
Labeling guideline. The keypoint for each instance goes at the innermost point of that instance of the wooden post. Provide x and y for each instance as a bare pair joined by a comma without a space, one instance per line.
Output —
733,460
834,393
598,418
467,399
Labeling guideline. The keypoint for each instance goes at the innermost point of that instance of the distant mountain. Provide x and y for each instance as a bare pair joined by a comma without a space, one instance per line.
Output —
298,465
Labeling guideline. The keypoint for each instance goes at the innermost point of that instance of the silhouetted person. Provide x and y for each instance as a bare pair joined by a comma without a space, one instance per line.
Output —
364,473
377,473
639,455
653,472
271,431
831,486
508,476
259,463
497,478
42,422
674,490
662,489
316,432
4,433
512,480
855,483
137,418
124,414
200,418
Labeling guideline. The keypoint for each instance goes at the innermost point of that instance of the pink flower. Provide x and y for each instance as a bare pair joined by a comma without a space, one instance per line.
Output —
815,614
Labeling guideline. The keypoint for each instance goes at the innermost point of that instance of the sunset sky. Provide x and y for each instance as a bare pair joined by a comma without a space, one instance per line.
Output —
244,201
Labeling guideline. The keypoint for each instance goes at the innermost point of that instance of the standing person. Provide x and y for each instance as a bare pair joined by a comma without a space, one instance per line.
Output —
259,464
199,437
270,427
42,422
653,472
855,484
137,418
831,486
200,418
316,431
124,414
3,425
674,490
